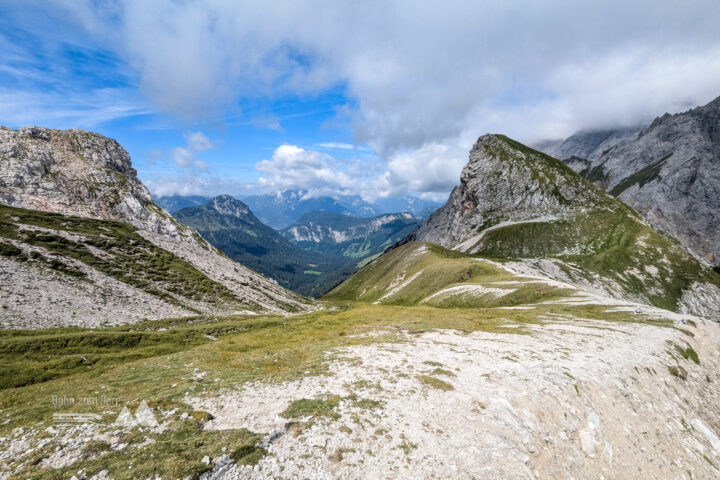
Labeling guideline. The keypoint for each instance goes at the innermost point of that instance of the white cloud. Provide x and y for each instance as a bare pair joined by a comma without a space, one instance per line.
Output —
340,146
198,142
295,167
184,158
193,184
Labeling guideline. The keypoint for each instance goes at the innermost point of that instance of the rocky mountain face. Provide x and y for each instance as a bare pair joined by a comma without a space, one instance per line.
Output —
506,182
516,203
669,172
229,225
588,144
77,221
336,234
81,173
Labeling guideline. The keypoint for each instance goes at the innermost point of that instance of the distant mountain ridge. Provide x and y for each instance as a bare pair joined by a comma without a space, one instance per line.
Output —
173,203
336,234
229,225
282,209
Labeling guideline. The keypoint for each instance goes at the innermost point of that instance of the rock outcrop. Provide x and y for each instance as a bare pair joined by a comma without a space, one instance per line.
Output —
507,182
589,144
80,173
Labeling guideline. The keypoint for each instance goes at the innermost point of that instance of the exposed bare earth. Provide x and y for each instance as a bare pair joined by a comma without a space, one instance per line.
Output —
567,398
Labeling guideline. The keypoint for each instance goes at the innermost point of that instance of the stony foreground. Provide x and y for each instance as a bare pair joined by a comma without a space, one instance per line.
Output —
571,388
572,398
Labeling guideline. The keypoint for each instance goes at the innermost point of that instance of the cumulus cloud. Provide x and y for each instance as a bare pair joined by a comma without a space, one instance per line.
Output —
295,167
184,158
198,142
192,184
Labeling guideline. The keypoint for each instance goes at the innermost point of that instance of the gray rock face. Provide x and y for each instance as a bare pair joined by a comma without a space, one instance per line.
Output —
80,173
669,173
502,183
588,144
227,205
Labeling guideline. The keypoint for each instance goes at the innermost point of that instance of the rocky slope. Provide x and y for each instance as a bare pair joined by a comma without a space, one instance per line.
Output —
336,234
514,202
669,172
85,175
80,173
588,144
228,224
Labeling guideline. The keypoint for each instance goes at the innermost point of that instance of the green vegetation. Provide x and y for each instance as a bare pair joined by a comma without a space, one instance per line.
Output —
641,177
423,270
612,246
155,361
115,249
434,382
176,453
36,356
688,353
316,408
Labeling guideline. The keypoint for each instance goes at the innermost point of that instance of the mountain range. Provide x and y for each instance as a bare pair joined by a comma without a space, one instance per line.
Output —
309,257
531,287
668,171
281,210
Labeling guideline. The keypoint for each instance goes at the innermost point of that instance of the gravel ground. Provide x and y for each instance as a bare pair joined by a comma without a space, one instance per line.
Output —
574,398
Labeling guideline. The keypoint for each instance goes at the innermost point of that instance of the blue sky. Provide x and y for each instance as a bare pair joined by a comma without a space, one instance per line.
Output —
379,98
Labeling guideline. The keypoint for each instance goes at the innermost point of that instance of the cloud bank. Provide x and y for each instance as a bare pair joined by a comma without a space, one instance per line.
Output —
424,79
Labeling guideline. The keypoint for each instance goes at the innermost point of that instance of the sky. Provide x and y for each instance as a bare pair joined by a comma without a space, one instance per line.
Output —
377,98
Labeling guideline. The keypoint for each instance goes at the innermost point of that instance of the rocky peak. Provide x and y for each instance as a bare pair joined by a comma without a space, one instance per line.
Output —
507,181
227,205
74,172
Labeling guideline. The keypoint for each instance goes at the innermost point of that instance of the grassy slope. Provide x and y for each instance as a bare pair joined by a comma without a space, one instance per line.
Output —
113,248
618,248
160,367
432,269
